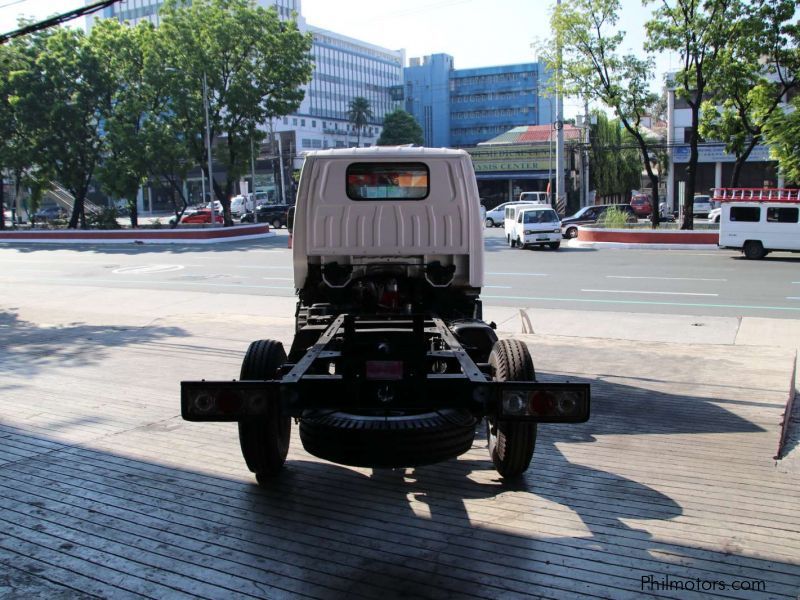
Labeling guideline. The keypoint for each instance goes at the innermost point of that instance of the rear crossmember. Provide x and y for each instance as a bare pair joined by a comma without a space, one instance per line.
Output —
391,363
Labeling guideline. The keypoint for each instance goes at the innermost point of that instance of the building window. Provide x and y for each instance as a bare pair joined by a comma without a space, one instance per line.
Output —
302,122
285,120
294,122
313,123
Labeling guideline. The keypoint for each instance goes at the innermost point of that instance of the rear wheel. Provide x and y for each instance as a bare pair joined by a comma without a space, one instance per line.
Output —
511,443
264,441
519,243
511,241
754,250
489,222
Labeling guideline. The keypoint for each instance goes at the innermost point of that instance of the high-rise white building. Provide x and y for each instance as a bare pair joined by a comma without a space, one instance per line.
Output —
345,68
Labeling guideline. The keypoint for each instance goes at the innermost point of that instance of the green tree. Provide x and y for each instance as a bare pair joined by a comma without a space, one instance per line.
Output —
400,127
586,49
62,97
753,74
359,114
616,168
781,129
254,65
17,149
132,102
699,31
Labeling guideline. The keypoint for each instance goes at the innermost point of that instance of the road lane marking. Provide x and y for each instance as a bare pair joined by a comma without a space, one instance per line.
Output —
261,267
529,274
639,302
662,278
90,283
649,292
146,269
793,297
279,278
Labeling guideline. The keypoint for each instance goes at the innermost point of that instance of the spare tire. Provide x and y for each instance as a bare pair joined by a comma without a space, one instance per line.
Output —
395,441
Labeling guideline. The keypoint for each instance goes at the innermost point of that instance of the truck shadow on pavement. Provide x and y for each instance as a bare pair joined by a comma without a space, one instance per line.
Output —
122,517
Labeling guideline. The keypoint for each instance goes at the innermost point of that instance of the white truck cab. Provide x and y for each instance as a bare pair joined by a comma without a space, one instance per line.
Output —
537,226
535,197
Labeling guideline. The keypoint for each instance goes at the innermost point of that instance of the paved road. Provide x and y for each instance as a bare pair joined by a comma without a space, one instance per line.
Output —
708,282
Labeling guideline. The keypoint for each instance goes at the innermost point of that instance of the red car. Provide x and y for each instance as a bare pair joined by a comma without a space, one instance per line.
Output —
640,204
201,216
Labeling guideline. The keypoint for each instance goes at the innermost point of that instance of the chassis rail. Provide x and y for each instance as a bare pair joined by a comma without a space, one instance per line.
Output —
407,372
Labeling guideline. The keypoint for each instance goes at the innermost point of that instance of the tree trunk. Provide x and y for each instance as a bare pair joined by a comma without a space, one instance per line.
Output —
740,160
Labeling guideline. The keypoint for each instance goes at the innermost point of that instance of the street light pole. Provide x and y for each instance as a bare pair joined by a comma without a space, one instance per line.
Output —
208,144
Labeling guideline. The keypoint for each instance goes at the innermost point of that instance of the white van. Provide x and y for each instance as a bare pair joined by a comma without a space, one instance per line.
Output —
537,226
238,205
534,197
758,228
701,205
510,214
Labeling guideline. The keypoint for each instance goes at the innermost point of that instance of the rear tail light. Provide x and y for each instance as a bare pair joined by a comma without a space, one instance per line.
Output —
547,404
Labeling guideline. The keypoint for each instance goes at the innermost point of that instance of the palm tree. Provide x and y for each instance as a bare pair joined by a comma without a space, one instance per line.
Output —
359,114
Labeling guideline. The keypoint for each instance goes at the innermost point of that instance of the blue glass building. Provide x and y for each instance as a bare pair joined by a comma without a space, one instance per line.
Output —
463,107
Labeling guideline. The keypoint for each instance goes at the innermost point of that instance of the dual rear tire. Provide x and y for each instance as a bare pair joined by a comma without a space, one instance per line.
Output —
511,443
264,441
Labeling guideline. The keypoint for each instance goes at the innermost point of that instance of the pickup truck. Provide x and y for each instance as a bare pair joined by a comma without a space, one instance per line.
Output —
391,364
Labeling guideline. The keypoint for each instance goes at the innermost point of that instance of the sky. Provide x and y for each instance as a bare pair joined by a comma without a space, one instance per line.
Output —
477,33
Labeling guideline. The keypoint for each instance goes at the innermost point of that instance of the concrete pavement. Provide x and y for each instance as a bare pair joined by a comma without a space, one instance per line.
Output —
106,492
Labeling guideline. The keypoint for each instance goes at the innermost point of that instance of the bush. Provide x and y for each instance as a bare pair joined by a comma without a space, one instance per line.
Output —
614,218
105,219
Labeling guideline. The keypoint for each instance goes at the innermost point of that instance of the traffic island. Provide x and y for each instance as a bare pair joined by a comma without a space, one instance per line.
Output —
202,234
648,236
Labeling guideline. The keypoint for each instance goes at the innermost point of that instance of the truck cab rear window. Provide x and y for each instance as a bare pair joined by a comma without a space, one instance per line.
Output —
388,181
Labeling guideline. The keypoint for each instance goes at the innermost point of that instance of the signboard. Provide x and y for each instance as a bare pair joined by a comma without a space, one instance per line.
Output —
511,158
716,153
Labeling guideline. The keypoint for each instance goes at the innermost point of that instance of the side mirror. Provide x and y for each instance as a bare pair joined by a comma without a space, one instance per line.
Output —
290,219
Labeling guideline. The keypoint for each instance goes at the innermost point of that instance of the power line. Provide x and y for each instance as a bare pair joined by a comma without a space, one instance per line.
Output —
12,3
56,20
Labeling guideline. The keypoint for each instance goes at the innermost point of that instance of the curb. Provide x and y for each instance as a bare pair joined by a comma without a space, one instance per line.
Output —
655,237
643,246
204,235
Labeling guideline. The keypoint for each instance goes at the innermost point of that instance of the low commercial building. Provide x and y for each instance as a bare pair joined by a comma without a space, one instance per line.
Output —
523,159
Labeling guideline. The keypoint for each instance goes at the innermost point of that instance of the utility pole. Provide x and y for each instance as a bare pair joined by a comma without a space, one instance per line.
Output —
561,201
208,143
587,124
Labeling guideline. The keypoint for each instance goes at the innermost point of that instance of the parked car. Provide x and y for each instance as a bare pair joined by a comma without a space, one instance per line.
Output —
713,216
589,215
641,205
50,213
201,216
274,214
